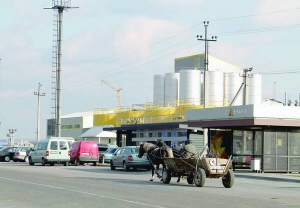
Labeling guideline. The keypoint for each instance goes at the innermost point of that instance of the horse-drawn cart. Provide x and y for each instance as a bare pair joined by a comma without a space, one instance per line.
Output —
198,169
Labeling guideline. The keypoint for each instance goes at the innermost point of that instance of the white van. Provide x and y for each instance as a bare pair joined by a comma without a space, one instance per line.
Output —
50,151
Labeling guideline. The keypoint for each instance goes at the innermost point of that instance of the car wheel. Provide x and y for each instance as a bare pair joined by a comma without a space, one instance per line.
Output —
76,162
43,162
125,167
112,167
30,161
26,159
7,159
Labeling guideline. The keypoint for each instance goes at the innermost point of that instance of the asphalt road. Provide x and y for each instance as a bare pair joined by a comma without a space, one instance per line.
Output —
25,186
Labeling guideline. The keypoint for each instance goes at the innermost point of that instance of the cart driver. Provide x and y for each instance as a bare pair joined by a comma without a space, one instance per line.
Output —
190,149
160,143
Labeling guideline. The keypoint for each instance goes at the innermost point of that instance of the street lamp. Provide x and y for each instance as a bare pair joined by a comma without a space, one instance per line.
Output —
11,134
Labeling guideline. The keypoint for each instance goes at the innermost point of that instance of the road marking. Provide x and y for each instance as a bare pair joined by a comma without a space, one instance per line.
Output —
82,192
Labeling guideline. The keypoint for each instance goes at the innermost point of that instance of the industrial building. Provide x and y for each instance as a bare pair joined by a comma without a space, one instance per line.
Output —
235,112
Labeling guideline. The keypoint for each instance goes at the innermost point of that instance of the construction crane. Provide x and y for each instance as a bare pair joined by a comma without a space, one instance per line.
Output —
118,93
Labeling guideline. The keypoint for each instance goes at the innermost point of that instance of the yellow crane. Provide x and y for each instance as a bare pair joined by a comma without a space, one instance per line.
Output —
118,93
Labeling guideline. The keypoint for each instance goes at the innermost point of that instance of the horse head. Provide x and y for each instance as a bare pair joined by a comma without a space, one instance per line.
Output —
141,150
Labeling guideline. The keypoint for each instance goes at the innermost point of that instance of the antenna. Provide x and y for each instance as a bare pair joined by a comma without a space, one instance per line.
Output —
58,6
118,93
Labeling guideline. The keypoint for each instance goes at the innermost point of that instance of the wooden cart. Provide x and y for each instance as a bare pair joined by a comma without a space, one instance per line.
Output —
198,169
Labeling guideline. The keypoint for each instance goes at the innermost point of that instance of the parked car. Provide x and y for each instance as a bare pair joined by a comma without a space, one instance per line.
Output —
106,156
84,152
127,157
21,154
103,147
7,153
50,151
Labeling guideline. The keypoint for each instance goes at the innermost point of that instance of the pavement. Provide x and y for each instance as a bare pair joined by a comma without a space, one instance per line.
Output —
246,173
284,177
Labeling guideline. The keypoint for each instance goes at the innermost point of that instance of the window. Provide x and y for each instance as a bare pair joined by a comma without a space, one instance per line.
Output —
62,145
159,134
169,134
141,135
53,145
150,134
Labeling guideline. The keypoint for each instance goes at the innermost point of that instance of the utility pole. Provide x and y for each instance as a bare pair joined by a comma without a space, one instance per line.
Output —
206,40
38,94
205,74
11,133
274,90
246,86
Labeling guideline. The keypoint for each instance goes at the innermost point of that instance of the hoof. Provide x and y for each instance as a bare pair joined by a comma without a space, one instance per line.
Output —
151,179
178,180
161,179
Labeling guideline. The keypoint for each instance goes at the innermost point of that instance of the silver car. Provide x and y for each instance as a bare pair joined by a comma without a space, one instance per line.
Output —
106,156
21,154
127,157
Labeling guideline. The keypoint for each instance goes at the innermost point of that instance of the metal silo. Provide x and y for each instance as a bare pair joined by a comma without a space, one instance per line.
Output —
255,89
232,84
171,88
159,89
190,87
215,90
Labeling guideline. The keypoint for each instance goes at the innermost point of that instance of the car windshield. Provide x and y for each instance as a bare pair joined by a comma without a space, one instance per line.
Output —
112,150
135,150
5,149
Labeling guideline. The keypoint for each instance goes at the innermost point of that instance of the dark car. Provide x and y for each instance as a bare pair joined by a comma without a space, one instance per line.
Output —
105,156
7,153
127,157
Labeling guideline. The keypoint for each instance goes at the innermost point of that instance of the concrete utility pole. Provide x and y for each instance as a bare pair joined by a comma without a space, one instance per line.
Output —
246,87
206,40
38,94
11,133
205,74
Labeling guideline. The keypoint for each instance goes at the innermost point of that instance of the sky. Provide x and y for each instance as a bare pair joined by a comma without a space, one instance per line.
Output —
126,43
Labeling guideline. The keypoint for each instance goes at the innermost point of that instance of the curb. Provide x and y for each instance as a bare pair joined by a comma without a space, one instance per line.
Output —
269,178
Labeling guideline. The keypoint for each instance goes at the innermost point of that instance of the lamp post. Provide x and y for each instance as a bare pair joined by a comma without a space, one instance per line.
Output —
11,134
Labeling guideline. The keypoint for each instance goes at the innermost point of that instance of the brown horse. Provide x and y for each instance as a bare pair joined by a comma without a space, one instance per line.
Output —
155,156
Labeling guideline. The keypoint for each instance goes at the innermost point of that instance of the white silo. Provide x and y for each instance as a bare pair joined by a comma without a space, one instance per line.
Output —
171,88
255,89
215,88
232,84
190,87
159,89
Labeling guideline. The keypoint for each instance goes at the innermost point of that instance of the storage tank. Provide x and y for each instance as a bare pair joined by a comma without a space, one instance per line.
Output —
232,84
215,88
190,87
255,89
159,89
171,88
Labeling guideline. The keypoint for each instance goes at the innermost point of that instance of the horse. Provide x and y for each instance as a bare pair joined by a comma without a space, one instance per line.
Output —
155,156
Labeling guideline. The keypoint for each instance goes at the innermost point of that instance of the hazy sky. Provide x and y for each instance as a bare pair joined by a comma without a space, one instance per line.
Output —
127,42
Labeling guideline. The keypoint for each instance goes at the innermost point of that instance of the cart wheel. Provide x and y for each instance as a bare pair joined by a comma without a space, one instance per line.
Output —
200,177
166,176
228,179
190,178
